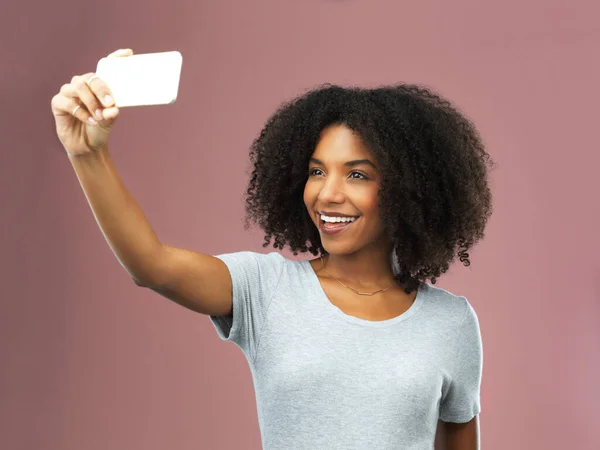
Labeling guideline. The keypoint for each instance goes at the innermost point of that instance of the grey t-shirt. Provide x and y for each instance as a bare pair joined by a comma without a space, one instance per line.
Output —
326,380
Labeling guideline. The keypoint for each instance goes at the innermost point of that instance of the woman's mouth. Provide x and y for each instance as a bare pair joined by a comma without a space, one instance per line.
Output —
335,225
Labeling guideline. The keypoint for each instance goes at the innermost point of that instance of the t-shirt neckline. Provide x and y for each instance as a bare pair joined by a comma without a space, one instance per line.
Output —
324,300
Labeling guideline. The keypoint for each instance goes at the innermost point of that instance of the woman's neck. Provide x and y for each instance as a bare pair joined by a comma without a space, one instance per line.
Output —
361,269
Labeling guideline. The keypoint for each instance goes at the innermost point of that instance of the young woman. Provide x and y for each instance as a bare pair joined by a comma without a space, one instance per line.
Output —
353,349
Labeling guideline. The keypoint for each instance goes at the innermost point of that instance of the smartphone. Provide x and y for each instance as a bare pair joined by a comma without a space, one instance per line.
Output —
144,79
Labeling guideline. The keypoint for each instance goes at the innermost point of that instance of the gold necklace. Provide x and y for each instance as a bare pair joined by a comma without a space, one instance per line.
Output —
348,287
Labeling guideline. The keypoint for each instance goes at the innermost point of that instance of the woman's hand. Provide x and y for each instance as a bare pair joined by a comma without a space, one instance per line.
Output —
85,112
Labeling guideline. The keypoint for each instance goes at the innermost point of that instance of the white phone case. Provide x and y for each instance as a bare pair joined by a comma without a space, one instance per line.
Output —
145,79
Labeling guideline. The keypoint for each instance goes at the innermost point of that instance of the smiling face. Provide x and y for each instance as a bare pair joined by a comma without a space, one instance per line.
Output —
343,180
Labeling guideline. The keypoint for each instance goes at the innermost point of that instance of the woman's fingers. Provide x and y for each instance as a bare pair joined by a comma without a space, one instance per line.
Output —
75,106
111,113
84,92
92,91
120,53
87,91
70,105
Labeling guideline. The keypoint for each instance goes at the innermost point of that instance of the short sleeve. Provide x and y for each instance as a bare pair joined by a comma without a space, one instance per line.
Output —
254,278
461,401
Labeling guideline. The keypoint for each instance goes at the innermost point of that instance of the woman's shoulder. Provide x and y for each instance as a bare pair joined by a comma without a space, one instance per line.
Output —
275,256
263,261
252,255
449,305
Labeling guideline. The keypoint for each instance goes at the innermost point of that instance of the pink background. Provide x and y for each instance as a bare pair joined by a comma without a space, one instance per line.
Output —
91,361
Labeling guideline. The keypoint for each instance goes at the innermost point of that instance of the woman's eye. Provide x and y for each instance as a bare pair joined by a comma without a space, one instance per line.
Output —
360,176
353,175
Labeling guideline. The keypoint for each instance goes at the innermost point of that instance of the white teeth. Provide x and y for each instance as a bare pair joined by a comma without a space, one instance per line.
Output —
337,219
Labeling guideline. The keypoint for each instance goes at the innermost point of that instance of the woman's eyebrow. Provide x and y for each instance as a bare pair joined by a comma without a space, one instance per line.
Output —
355,162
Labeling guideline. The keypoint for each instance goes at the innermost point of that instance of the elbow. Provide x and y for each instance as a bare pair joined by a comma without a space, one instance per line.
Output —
138,282
148,268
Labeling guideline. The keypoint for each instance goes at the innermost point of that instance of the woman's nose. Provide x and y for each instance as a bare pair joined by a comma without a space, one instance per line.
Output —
331,191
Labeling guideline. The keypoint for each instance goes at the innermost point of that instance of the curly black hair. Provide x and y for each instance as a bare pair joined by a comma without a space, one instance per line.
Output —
434,196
